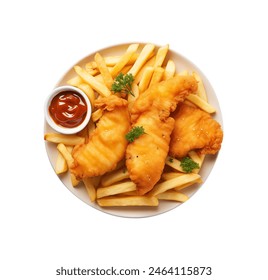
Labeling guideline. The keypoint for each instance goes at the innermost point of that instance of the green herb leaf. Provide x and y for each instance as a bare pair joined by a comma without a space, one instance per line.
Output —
135,133
188,165
123,83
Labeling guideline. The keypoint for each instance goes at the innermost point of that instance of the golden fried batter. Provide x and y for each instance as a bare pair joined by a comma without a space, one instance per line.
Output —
164,96
107,144
145,157
194,129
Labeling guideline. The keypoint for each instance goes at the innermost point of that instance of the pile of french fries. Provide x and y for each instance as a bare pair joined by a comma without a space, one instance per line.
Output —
149,65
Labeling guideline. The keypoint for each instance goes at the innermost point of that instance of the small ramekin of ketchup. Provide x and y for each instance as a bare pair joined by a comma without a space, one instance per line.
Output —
67,109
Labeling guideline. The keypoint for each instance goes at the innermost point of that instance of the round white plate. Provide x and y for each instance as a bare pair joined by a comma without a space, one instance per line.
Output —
181,64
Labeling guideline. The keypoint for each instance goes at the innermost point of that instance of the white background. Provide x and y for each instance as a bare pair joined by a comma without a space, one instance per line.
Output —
44,227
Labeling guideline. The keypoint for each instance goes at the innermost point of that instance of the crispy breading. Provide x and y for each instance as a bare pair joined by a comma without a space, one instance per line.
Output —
145,157
107,144
164,96
194,129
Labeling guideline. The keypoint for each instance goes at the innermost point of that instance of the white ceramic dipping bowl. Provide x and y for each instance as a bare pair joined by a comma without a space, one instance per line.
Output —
62,129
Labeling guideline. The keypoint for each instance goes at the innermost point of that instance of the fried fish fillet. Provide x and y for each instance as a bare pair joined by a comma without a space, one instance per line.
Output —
107,144
194,129
164,96
145,157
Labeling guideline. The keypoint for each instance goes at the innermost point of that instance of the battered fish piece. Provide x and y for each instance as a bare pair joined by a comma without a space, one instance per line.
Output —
145,157
107,144
164,96
194,129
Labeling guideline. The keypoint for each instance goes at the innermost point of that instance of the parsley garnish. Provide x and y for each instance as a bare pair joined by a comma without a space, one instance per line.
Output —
134,133
188,165
123,83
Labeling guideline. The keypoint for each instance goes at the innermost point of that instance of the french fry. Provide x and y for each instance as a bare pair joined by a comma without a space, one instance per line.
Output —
133,59
173,195
189,103
174,163
198,101
169,70
96,115
124,59
90,70
186,185
66,154
195,157
69,149
87,89
161,55
144,55
116,189
136,92
61,164
99,78
171,175
146,78
125,69
110,61
130,62
150,62
106,75
133,193
88,182
172,183
202,158
131,99
157,75
92,64
128,201
69,159
57,138
75,81
74,181
114,177
92,81
201,92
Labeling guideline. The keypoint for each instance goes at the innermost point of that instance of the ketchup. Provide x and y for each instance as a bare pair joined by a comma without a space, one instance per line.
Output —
68,109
